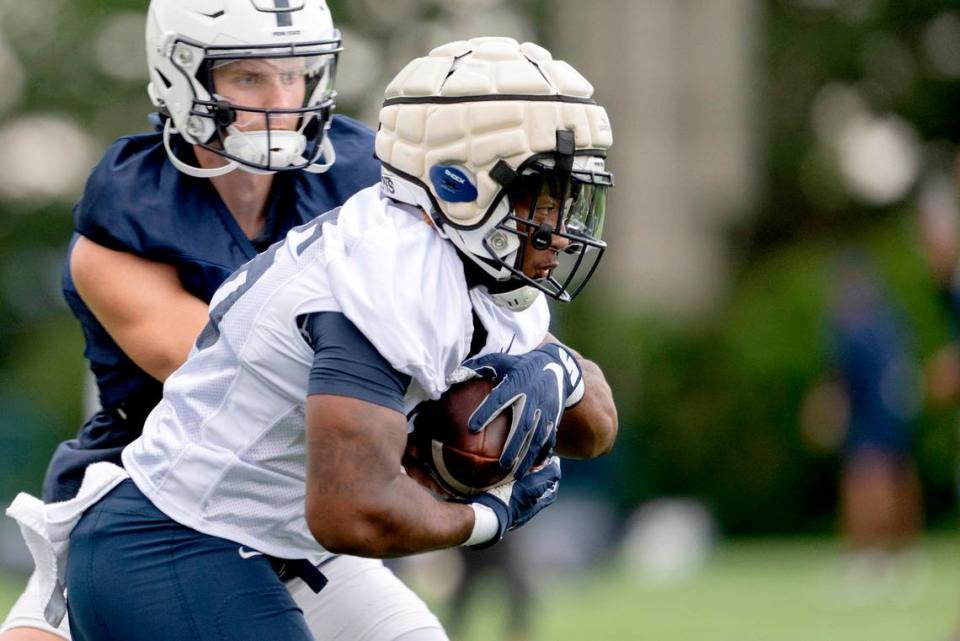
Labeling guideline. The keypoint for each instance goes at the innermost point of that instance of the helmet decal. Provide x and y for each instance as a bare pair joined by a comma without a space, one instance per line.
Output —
453,184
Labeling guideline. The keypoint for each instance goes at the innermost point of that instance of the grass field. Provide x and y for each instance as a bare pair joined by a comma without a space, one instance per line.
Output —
750,591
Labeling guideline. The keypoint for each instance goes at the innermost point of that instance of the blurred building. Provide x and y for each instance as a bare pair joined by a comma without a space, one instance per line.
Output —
680,79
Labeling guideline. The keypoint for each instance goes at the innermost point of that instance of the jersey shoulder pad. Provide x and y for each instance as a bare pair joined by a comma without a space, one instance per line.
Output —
121,194
345,126
401,285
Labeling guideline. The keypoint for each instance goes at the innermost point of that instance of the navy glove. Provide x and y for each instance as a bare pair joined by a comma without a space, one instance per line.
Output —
517,502
539,385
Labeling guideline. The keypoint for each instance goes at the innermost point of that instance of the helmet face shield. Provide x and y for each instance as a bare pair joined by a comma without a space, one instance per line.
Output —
558,213
268,107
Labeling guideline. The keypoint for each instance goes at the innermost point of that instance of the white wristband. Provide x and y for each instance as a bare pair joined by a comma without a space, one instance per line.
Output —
485,525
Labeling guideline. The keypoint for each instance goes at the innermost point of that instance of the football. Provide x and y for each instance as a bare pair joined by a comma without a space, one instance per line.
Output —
462,463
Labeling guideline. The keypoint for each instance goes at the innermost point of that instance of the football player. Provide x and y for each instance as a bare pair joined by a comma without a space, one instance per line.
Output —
296,394
243,152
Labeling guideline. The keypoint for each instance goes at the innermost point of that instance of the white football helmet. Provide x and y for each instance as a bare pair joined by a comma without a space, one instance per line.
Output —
187,40
483,135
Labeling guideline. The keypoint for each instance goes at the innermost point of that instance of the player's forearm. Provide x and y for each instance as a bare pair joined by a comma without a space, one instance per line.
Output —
397,519
359,501
589,429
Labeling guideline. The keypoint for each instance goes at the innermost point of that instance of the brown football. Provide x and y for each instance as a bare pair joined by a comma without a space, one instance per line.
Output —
463,463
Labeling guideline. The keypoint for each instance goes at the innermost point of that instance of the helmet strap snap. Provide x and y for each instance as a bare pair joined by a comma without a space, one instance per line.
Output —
224,114
542,238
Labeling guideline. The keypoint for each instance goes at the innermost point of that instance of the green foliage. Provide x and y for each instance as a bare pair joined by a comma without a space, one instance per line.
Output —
712,410
877,47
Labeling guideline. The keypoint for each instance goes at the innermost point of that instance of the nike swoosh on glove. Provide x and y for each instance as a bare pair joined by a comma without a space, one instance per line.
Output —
539,386
517,502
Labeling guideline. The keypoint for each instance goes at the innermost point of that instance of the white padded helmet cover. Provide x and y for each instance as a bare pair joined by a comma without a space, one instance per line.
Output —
476,134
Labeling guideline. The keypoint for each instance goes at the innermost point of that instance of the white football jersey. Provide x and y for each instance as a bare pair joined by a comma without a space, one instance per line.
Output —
225,452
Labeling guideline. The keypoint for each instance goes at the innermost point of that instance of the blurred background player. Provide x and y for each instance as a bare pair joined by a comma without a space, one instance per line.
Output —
873,403
244,151
500,563
345,327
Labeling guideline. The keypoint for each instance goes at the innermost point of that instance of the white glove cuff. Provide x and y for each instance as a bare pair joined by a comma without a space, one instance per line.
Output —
485,525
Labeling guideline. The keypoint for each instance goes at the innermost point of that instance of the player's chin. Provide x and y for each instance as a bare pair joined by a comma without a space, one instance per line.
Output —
538,273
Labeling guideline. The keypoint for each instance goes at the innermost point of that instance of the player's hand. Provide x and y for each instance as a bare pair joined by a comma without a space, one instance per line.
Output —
538,385
517,502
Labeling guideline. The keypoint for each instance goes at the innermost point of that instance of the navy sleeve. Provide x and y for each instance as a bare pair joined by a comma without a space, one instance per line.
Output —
126,195
345,363
356,167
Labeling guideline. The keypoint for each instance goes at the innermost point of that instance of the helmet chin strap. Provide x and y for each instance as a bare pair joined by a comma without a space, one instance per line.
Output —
190,170
328,153
265,148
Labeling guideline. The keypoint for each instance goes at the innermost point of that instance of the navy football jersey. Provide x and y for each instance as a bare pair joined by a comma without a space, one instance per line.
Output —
137,201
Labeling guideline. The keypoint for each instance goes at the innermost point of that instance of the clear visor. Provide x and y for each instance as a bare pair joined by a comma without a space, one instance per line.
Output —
583,230
585,209
274,93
